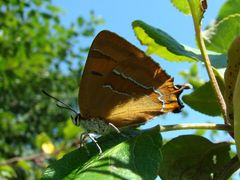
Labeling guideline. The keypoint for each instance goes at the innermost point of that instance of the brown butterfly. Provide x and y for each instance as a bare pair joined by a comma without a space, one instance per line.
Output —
121,86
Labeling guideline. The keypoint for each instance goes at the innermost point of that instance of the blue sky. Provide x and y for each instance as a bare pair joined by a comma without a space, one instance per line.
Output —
120,14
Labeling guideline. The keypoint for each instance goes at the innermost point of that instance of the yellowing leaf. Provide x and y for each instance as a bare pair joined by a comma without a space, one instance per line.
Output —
48,147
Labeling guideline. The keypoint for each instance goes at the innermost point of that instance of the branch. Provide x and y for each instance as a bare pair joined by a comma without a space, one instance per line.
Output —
185,126
35,157
27,158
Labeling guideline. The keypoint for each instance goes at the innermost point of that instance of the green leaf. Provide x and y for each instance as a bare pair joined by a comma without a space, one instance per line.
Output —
7,172
38,2
127,160
71,131
42,138
194,70
80,21
228,8
190,7
203,100
54,9
219,37
24,165
165,46
193,157
182,6
230,75
162,44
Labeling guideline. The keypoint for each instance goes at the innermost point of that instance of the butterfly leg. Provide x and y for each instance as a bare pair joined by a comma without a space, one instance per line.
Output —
95,141
83,137
83,140
114,127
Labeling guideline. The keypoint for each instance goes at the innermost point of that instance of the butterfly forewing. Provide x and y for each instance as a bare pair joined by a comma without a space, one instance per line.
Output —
121,85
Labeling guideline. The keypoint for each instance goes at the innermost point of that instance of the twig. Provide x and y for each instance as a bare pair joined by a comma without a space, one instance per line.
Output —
37,156
185,126
27,158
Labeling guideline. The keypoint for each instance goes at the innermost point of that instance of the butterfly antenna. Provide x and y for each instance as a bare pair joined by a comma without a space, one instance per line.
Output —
65,106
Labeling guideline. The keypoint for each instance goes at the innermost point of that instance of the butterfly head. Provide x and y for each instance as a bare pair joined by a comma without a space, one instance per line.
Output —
77,119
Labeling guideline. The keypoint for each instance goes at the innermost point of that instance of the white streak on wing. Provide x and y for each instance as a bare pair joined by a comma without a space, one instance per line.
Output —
145,87
131,79
160,98
101,52
98,50
118,92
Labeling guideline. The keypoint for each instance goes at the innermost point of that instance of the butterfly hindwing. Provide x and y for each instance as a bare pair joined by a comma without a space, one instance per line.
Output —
121,85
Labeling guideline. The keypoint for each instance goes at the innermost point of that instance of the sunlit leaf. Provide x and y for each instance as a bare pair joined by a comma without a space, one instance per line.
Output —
165,46
182,6
228,8
124,160
219,37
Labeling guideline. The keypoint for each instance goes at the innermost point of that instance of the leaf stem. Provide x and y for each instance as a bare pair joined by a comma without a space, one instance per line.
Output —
185,126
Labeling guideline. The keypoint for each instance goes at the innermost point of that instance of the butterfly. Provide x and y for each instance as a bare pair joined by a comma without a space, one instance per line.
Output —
121,86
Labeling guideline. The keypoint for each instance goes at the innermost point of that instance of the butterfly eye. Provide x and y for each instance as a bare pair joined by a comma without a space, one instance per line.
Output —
76,120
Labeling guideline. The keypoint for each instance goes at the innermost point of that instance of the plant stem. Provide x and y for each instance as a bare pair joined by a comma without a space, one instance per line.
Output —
211,75
185,126
202,47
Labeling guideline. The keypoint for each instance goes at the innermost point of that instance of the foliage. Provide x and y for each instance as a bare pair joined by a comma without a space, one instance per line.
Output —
29,127
207,158
36,52
122,159
218,38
